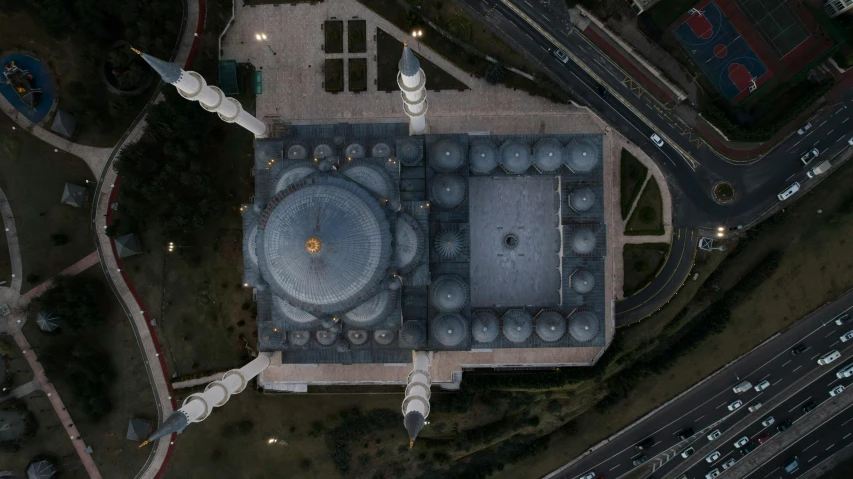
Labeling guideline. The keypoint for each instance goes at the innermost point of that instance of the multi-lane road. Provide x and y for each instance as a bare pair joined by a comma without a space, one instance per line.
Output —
705,408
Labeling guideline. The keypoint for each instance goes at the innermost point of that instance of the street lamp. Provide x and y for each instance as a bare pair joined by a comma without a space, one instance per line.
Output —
262,37
720,231
417,33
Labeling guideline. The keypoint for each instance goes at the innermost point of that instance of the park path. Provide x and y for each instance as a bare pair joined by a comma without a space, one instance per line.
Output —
12,240
22,390
76,268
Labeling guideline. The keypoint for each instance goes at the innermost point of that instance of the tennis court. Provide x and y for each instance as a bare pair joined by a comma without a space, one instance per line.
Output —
776,24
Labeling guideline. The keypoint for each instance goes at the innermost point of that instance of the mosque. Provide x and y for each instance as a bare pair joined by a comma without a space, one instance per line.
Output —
379,253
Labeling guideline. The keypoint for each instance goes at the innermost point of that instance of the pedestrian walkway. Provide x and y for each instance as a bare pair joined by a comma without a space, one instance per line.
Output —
22,390
76,268
12,240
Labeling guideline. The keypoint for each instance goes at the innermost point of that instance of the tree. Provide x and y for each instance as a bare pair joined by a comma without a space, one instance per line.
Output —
73,298
59,239
495,73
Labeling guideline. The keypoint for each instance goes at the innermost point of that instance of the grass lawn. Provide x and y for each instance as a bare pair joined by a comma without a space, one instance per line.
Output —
5,261
357,74
334,71
130,394
357,36
333,32
33,177
667,11
17,368
647,218
632,173
388,51
642,263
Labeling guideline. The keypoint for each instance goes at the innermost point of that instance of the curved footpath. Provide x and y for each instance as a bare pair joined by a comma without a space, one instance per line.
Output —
12,240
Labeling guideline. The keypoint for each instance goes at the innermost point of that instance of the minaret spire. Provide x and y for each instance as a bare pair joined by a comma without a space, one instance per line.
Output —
416,403
192,86
411,81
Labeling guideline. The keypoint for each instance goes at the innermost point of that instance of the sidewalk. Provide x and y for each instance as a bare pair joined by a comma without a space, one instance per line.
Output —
12,240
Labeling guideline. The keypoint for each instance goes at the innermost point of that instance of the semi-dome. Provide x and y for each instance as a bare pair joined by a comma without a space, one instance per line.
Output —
409,151
326,337
582,156
322,151
583,326
518,326
445,156
381,150
515,157
583,241
582,281
357,336
292,174
449,293
550,326
299,338
297,152
372,311
413,333
484,326
355,150
371,177
409,243
449,330
483,157
582,199
548,155
383,337
448,243
291,313
325,245
448,191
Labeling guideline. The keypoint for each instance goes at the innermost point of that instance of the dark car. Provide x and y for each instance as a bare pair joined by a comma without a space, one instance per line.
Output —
809,406
645,444
685,433
748,448
798,349
601,90
784,425
764,438
640,460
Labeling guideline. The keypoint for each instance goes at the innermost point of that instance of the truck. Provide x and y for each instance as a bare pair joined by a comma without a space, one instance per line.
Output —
742,387
819,169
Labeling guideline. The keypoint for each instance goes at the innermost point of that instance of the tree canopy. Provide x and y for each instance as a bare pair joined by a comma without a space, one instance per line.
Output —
73,299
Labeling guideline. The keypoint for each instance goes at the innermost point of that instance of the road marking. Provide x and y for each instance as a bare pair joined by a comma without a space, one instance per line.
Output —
818,354
824,121
786,362
721,405
771,473
830,334
845,422
812,444
833,344
798,367
828,132
812,459
801,403
845,120
848,435
615,467
788,178
540,46
698,418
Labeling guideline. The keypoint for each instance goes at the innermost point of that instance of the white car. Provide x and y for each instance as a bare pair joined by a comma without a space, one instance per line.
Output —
765,384
731,462
657,140
561,55
850,142
741,442
846,336
714,434
588,475
712,474
768,421
735,405
712,457
836,391
809,156
805,128
846,372
789,192
687,452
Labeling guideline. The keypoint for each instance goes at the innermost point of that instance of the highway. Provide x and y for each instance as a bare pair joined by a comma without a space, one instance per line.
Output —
705,407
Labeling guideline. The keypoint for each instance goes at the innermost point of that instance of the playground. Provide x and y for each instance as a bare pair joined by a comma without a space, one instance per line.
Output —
27,86
722,53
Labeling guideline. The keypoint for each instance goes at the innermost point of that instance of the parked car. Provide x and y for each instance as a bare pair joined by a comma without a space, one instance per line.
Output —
836,391
714,434
712,474
735,405
809,406
687,452
731,462
792,465
845,372
588,475
712,457
657,140
741,442
789,192
829,357
841,319
561,55
784,425
798,349
764,438
602,91
748,448
768,421
762,385
846,336
640,460
805,128
755,407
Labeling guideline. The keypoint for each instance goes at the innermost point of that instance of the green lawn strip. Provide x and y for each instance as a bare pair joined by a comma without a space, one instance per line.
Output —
388,51
333,69
5,260
642,262
665,12
647,218
632,173
356,36
333,34
357,74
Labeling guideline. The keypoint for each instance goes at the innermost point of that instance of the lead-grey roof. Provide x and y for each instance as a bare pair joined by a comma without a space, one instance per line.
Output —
299,338
169,72
448,243
297,152
381,150
355,150
445,156
409,243
175,422
326,337
582,240
289,175
371,177
515,157
449,293
373,311
409,64
550,326
322,151
355,244
47,321
63,123
127,245
74,195
414,422
582,199
449,330
517,325
138,429
383,337
357,336
484,326
582,155
548,155
413,333
483,157
583,326
409,151
293,315
448,191
582,281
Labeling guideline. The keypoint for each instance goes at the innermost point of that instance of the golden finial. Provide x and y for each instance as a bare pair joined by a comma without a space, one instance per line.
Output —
313,245
136,51
411,443
405,43
144,443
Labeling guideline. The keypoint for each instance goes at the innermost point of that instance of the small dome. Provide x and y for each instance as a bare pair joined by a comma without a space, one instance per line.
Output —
445,156
517,325
383,337
583,241
293,174
484,326
381,150
297,152
409,243
371,177
413,333
299,338
327,163
449,330
483,157
582,281
409,151
448,191
355,150
582,199
322,151
449,293
373,310
548,155
448,243
515,157
357,336
583,326
550,326
326,337
582,156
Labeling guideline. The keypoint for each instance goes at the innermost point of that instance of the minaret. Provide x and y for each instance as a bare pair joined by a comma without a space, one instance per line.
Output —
411,81
416,403
192,86
198,406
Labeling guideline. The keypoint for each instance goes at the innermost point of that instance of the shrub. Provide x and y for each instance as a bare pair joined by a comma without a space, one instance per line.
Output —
73,298
495,73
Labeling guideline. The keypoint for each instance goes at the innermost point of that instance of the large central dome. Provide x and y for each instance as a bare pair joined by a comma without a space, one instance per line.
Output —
325,245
